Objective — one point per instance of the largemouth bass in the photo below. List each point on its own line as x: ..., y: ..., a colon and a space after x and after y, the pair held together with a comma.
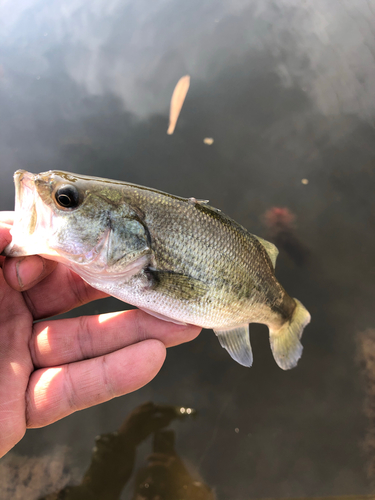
x: 176, y: 258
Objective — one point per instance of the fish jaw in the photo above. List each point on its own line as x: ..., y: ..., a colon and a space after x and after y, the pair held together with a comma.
x: 32, y: 220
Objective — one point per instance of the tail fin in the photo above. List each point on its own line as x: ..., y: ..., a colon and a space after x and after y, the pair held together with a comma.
x: 285, y: 344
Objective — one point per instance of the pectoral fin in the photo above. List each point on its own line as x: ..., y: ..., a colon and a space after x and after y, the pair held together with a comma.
x: 177, y: 285
x: 237, y: 342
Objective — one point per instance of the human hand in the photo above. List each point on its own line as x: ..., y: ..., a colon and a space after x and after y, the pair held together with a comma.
x: 53, y: 368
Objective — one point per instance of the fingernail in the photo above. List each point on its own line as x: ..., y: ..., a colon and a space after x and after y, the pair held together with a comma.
x: 28, y: 270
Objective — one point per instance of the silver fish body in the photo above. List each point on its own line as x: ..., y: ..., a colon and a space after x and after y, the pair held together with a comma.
x: 179, y: 259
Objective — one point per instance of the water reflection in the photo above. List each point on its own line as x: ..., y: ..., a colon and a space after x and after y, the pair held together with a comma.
x: 366, y: 355
x: 280, y: 224
x: 165, y: 477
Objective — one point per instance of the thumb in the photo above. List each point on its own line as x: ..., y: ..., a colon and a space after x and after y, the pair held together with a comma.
x: 22, y: 273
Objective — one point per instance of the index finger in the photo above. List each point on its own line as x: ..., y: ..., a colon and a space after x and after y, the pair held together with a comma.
x: 59, y: 292
x: 20, y: 273
x: 69, y: 340
x: 6, y: 221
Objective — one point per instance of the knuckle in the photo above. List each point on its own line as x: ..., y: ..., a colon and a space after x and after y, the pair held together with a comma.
x: 84, y: 338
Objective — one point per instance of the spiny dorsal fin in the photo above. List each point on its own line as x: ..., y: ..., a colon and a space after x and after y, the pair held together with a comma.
x: 193, y: 201
x: 237, y: 342
x: 270, y: 249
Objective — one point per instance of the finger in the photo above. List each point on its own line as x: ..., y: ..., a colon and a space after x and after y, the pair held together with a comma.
x: 60, y: 291
x: 74, y: 339
x: 22, y: 273
x: 46, y: 297
x: 7, y: 217
x: 6, y: 220
x: 5, y: 237
x: 54, y: 393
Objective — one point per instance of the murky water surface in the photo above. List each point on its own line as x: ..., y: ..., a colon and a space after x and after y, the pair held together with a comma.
x: 277, y: 130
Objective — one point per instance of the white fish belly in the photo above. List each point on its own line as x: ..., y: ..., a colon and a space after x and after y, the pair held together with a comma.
x: 206, y: 312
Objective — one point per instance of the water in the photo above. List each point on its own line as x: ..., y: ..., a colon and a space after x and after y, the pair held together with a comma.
x: 286, y: 91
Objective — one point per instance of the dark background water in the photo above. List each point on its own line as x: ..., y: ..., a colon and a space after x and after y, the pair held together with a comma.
x: 287, y: 91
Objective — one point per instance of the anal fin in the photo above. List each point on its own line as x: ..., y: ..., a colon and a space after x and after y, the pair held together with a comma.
x: 237, y: 342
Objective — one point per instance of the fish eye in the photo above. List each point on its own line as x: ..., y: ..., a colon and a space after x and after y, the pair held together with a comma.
x: 67, y: 197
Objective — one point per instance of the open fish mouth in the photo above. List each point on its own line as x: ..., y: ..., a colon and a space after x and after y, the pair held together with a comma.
x: 30, y: 217
x: 25, y: 213
x: 25, y: 197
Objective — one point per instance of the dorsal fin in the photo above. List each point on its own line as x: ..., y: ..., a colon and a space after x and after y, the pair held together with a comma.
x: 271, y: 249
x: 193, y: 201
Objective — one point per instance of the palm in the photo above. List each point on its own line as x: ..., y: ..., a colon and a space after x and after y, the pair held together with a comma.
x: 15, y: 364
x: 50, y: 369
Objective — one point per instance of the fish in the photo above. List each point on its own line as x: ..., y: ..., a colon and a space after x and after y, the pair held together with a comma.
x: 177, y: 101
x: 179, y: 259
